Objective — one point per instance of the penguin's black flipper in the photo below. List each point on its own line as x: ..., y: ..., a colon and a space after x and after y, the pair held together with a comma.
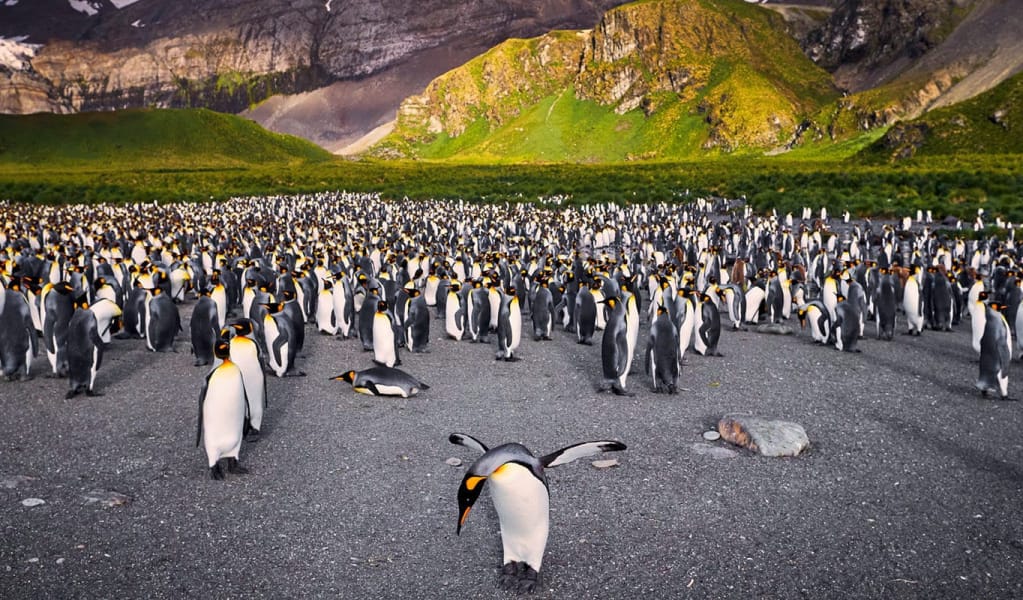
x: 372, y: 387
x: 202, y: 399
x: 576, y: 451
x: 464, y: 439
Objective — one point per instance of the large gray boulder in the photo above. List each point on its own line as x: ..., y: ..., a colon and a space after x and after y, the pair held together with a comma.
x: 763, y: 436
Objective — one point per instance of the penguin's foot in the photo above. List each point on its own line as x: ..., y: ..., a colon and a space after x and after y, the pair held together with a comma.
x: 217, y: 472
x: 519, y: 577
x: 93, y: 393
x: 235, y: 468
x: 200, y: 363
x: 294, y: 373
x: 620, y: 391
x: 71, y: 394
x: 512, y: 358
x: 252, y: 435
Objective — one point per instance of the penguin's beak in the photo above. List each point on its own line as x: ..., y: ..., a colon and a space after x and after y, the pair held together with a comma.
x: 468, y: 492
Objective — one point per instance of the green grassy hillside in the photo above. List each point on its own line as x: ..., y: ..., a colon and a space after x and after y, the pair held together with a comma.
x: 145, y: 139
x: 656, y: 79
x: 991, y: 123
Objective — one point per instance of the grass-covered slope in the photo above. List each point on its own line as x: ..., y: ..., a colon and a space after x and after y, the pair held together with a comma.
x: 656, y: 79
x: 145, y: 139
x: 991, y: 123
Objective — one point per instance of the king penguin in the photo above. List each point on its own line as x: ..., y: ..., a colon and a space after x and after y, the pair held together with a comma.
x: 614, y: 348
x: 454, y: 312
x: 203, y: 327
x: 84, y: 350
x: 383, y: 381
x: 417, y: 323
x: 542, y: 313
x: 913, y: 302
x: 521, y: 498
x: 385, y: 338
x: 162, y: 321
x: 995, y: 353
x: 222, y: 405
x: 509, y: 326
x: 18, y: 344
x: 58, y: 306
x: 708, y: 327
x: 885, y: 304
x: 244, y: 352
x: 662, y: 355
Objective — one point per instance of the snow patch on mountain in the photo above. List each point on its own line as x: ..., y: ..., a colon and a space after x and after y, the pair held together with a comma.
x: 86, y: 7
x: 16, y: 54
x: 122, y: 3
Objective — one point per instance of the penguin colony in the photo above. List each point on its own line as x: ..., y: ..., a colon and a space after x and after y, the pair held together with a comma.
x: 261, y: 273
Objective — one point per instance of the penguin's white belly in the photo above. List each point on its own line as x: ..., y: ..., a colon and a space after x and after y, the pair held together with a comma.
x: 223, y: 414
x: 754, y: 297
x: 451, y: 324
x: 383, y: 341
x: 386, y: 390
x: 325, y: 314
x: 523, y: 506
x: 685, y: 331
x: 515, y: 317
x: 245, y: 356
x: 978, y: 318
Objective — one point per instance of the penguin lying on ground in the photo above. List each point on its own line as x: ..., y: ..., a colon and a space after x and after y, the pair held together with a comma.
x: 521, y: 498
x: 382, y: 381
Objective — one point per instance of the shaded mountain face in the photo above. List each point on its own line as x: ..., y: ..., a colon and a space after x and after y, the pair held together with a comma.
x: 231, y: 54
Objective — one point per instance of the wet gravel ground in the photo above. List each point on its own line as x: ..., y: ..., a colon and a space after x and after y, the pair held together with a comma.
x: 913, y: 486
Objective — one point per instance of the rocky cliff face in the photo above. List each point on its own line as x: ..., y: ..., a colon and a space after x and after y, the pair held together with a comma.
x: 230, y: 54
x: 901, y: 58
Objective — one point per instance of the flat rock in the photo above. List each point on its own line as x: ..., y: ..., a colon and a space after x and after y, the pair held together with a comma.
x: 714, y: 451
x: 454, y: 462
x: 711, y: 436
x: 775, y: 328
x: 30, y: 502
x: 107, y: 498
x: 605, y: 464
x: 765, y: 437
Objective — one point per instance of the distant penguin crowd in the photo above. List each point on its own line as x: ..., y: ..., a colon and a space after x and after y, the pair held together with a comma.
x: 654, y: 283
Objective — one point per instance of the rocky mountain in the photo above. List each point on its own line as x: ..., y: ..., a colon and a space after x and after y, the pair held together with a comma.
x: 900, y: 58
x: 336, y: 71
x: 703, y: 75
x: 231, y: 54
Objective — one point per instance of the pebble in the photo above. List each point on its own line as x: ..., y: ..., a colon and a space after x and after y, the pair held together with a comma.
x: 454, y: 462
x: 605, y: 464
x: 33, y: 560
x: 60, y: 561
x: 30, y: 502
x: 711, y: 436
x: 107, y: 498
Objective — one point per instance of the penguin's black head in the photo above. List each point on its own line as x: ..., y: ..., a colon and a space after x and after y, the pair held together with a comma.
x: 348, y: 376
x: 468, y: 492
x: 242, y: 326
x: 222, y: 350
x: 382, y: 306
